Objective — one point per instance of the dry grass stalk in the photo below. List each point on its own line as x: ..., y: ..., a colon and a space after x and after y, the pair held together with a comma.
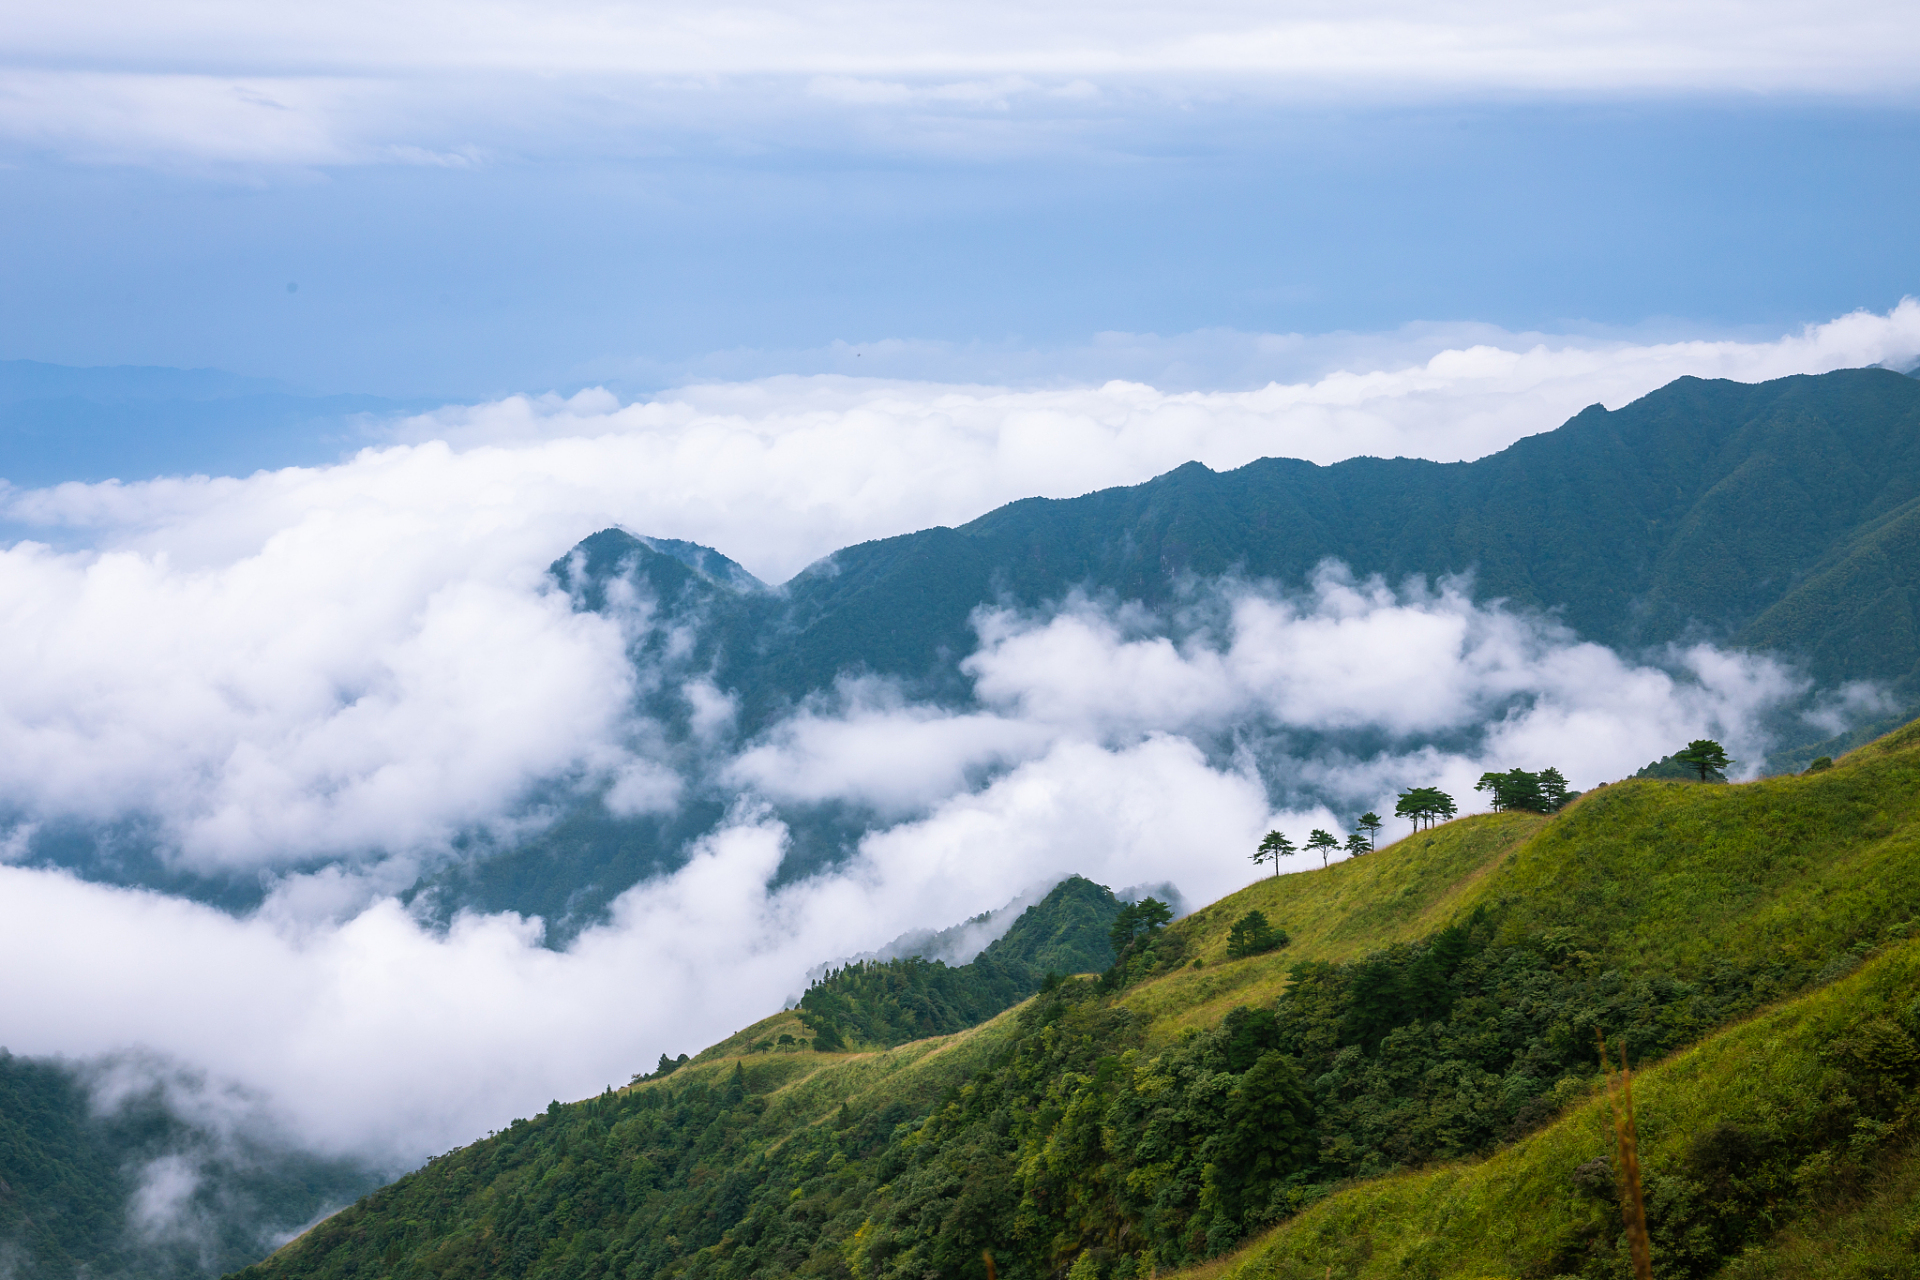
x: 1633, y: 1207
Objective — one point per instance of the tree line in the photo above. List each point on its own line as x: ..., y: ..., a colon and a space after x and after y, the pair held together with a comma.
x: 1513, y: 790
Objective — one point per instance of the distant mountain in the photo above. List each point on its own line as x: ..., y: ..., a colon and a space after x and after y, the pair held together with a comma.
x: 1782, y: 516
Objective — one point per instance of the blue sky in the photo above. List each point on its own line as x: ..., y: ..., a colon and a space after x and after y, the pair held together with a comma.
x: 547, y: 197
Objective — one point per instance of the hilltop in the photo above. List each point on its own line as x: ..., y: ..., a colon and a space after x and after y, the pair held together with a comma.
x: 1405, y: 1088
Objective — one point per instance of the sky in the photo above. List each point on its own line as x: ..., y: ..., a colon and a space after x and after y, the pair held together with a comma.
x: 522, y: 198
x: 778, y: 279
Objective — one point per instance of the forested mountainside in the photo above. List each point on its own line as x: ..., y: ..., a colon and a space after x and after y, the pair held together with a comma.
x: 1407, y: 1087
x: 1782, y: 515
x: 129, y: 1188
x: 1775, y: 513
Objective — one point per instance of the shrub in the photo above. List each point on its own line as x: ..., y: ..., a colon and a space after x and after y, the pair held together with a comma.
x: 1251, y: 935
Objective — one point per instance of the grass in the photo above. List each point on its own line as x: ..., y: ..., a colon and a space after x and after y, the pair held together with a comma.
x: 1512, y: 1213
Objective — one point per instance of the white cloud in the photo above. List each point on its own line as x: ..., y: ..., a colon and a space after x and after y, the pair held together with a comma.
x: 248, y: 83
x: 360, y: 658
x: 355, y: 660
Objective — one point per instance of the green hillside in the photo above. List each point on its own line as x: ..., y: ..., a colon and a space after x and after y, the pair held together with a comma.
x: 1407, y: 1088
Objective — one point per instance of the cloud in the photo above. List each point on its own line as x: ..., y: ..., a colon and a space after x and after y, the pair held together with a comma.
x: 351, y: 684
x: 111, y: 80
x: 377, y: 1035
x: 362, y: 659
x: 326, y: 672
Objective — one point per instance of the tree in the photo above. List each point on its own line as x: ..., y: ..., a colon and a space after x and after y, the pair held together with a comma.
x: 1323, y: 841
x: 1358, y: 844
x: 1425, y: 804
x: 1370, y: 823
x: 1125, y: 924
x: 1411, y: 806
x: 1153, y: 914
x: 1251, y: 935
x: 1515, y: 789
x: 1272, y: 849
x: 1706, y: 756
x: 1553, y: 789
x: 1137, y: 922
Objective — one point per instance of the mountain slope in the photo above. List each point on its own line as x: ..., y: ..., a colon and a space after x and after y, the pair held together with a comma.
x: 1439, y: 999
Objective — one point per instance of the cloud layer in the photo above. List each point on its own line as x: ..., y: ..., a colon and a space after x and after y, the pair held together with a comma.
x: 323, y: 674
x: 365, y: 658
x: 443, y: 84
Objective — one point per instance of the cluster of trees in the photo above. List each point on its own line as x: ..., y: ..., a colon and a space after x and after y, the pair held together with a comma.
x: 1425, y: 806
x: 1136, y: 925
x: 1542, y: 792
x: 1079, y: 927
x: 1251, y: 935
x: 1275, y: 845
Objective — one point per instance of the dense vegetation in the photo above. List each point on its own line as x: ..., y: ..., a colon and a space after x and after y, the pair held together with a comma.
x: 1436, y: 1005
x: 68, y: 1177
x: 888, y: 1002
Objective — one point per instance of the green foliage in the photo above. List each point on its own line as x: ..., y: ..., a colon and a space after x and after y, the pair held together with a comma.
x: 1273, y: 846
x: 1324, y: 841
x: 1425, y: 806
x: 890, y: 1002
x: 1137, y: 924
x: 1251, y: 935
x: 1516, y: 789
x: 1820, y: 764
x: 1706, y: 757
x: 1785, y: 1143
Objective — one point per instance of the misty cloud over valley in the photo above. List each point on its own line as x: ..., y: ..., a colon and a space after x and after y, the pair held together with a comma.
x: 396, y: 798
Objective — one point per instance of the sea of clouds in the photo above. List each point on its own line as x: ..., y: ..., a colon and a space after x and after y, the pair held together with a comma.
x: 322, y: 677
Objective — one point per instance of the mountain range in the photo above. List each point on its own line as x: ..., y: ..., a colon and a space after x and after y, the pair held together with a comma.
x: 1782, y: 516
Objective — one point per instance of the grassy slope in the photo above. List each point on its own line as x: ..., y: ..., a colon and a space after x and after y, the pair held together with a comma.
x: 1503, y: 1215
x: 1820, y: 870
x: 1808, y: 874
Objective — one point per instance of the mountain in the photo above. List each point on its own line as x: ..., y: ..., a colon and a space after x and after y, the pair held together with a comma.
x: 1782, y: 516
x: 1408, y: 1088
